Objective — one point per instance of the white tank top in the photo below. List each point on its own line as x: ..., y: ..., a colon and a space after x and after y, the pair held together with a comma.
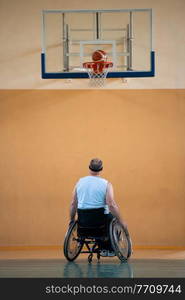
x: 91, y: 193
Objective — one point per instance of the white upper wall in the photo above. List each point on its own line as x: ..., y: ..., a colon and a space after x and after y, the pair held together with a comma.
x: 20, y: 40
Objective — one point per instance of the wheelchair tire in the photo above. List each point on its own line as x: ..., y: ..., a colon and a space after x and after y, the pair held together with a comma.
x: 121, y: 243
x: 72, y: 247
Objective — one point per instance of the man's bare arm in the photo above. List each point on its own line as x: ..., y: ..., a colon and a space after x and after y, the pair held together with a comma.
x: 113, y: 206
x: 73, y: 207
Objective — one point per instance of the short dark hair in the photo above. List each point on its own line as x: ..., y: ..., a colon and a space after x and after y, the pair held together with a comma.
x: 96, y: 165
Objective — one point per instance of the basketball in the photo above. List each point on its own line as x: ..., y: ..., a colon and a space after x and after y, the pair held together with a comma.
x: 98, y: 67
x: 99, y: 55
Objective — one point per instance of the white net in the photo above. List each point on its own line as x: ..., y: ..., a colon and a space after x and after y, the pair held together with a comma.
x: 97, y: 75
x: 97, y: 79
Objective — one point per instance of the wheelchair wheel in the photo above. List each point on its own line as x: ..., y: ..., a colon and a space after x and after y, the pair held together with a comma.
x: 121, y: 243
x: 72, y: 246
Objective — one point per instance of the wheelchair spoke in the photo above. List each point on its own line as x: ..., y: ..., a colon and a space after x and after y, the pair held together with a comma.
x: 119, y: 240
x: 72, y: 244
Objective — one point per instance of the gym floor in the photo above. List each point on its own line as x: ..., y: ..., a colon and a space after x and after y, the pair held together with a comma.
x: 51, y: 263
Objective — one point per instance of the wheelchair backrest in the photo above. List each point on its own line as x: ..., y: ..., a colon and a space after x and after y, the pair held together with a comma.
x: 91, y: 217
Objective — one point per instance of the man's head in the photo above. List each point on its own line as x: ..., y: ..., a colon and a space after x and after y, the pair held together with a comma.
x: 96, y: 165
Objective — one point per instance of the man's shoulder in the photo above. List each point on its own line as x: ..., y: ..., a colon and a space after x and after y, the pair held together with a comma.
x: 91, y: 178
x: 104, y: 179
x: 83, y: 178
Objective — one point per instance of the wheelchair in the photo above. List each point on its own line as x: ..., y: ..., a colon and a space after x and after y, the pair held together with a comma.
x: 91, y: 232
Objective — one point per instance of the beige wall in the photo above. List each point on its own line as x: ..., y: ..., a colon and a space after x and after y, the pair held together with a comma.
x: 47, y: 139
x: 20, y: 40
x: 50, y: 129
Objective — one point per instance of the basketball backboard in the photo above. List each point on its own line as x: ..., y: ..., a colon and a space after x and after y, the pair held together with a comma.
x: 69, y: 37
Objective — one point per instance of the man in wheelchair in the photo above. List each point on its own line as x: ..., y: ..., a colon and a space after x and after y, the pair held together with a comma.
x: 98, y: 218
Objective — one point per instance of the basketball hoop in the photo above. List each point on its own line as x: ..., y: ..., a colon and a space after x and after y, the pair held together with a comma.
x: 97, y: 71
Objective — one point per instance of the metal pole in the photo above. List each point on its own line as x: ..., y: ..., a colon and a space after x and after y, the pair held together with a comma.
x: 43, y: 33
x: 151, y: 30
x: 65, y: 45
x: 97, y: 26
x: 131, y: 41
x: 94, y: 26
x: 128, y: 48
x: 100, y: 26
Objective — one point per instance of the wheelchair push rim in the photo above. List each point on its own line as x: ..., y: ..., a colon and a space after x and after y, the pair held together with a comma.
x: 121, y: 243
x: 72, y: 245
